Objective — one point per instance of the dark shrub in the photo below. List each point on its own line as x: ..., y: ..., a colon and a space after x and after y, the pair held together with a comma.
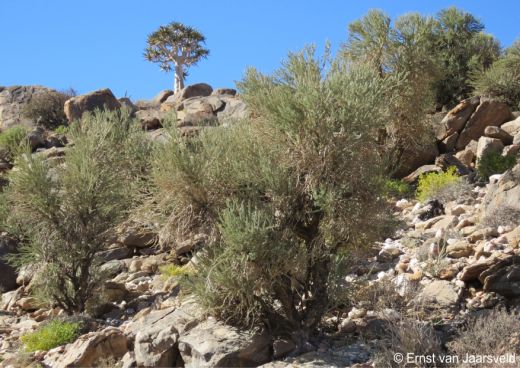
x: 46, y: 108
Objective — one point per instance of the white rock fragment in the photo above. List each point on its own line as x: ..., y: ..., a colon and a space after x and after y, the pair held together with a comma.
x: 493, y: 179
x: 403, y: 203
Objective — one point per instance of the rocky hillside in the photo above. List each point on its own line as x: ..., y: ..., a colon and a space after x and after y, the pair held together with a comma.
x: 12, y: 101
x: 455, y: 257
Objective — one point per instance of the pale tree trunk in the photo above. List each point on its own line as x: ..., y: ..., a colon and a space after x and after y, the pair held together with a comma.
x: 179, y: 78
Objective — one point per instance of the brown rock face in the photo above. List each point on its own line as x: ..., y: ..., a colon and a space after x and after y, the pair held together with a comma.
x: 194, y: 90
x: 511, y: 150
x: 126, y: 102
x: 214, y: 344
x: 89, y: 349
x: 224, y: 91
x: 416, y: 157
x: 503, y: 277
x: 440, y: 293
x: 512, y: 127
x: 468, y: 155
x: 100, y: 99
x: 151, y: 119
x: 448, y: 143
x: 459, y: 249
x: 447, y: 160
x: 474, y: 270
x: 219, y: 109
x: 157, y: 334
x: 137, y: 237
x: 488, y: 113
x: 456, y: 119
x: 498, y: 133
x: 162, y: 96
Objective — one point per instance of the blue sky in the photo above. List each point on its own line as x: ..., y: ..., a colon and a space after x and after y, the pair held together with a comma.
x: 99, y: 43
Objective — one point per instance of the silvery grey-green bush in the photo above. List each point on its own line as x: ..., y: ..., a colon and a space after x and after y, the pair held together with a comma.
x: 281, y: 194
x: 64, y: 212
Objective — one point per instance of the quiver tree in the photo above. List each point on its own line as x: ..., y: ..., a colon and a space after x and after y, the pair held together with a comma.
x: 176, y: 46
x: 281, y: 195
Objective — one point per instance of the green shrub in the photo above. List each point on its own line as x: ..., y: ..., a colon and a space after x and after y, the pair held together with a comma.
x: 171, y: 270
x: 502, y: 79
x: 399, y: 53
x: 397, y: 188
x: 46, y: 109
x: 494, y: 163
x: 280, y: 195
x: 499, y: 82
x: 66, y: 212
x: 461, y: 48
x: 62, y: 129
x: 11, y: 141
x: 437, y: 55
x: 51, y: 335
x: 432, y: 183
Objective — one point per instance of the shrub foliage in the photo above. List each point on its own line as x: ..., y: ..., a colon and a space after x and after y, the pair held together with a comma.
x: 400, y: 54
x: 51, y: 335
x: 406, y: 335
x: 462, y: 48
x: 439, y: 54
x: 432, y: 184
x: 46, y: 108
x: 66, y: 211
x: 494, y: 333
x: 12, y: 142
x: 502, y: 79
x: 299, y: 182
x: 397, y: 188
x: 494, y: 163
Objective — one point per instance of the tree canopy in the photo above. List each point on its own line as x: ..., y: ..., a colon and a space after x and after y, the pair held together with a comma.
x: 176, y: 46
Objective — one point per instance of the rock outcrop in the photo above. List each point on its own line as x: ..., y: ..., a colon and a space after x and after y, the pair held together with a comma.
x: 456, y: 119
x: 12, y: 104
x: 488, y: 145
x: 200, y: 106
x: 413, y: 158
x: 191, y: 109
x: 503, y: 195
x: 194, y: 90
x: 498, y: 133
x: 503, y: 277
x: 512, y: 127
x: 488, y: 113
x: 162, y: 96
x: 478, y: 119
x: 75, y: 107
x: 157, y: 334
x: 92, y: 349
x: 215, y: 344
